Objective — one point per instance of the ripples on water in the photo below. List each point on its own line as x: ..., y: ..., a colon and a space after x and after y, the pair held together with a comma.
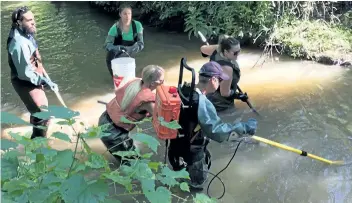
x: 305, y: 105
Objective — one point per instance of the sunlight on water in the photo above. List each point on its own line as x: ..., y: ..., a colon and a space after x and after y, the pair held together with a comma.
x: 304, y: 104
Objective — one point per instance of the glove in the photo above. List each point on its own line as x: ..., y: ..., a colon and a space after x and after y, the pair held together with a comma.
x: 243, y: 128
x: 53, y: 86
x: 242, y: 97
x: 213, y: 39
x: 251, y: 126
x: 123, y: 49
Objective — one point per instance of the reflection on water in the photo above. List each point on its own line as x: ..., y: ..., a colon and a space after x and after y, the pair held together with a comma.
x: 305, y: 105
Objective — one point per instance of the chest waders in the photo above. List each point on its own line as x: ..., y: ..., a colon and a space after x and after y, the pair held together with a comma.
x: 120, y: 41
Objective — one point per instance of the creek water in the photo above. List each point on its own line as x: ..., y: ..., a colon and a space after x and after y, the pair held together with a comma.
x: 304, y: 105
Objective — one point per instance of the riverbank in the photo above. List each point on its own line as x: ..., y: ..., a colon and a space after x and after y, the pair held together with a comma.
x: 306, y: 30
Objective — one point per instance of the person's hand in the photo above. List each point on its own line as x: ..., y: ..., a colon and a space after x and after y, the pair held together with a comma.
x: 251, y: 126
x: 123, y: 49
x: 53, y: 86
x: 243, y: 97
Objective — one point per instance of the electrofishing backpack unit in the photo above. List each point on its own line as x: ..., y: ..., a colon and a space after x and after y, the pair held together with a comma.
x: 168, y: 103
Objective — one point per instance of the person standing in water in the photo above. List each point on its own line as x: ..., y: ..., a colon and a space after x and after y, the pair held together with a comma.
x: 27, y: 71
x: 200, y: 123
x: 225, y: 53
x: 124, y: 38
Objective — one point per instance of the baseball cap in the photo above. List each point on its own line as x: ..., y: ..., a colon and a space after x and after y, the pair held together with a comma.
x: 211, y: 69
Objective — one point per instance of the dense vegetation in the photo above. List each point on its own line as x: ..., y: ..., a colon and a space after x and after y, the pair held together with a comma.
x: 41, y: 174
x: 319, y: 31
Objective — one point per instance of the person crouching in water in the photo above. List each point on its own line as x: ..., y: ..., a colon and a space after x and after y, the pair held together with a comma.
x: 200, y: 123
x: 134, y: 100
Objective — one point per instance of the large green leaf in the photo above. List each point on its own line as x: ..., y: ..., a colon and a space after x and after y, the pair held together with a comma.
x: 51, y: 178
x: 166, y: 171
x: 48, y: 153
x: 202, y: 198
x: 154, y: 165
x: 7, y: 144
x: 126, y: 153
x: 172, y: 125
x: 39, y: 195
x: 96, y: 132
x: 168, y: 177
x: 8, y: 169
x: 77, y: 190
x: 61, y: 136
x: 96, y: 161
x: 16, y: 185
x: 148, y: 140
x: 122, y: 180
x: 148, y: 185
x: 20, y: 139
x: 62, y: 160
x: 161, y: 195
x: 184, y: 186
x: 7, y: 118
x: 5, y: 197
x: 142, y: 171
x: 57, y: 112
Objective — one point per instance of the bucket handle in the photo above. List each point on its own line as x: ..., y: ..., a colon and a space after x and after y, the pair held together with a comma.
x: 183, y: 64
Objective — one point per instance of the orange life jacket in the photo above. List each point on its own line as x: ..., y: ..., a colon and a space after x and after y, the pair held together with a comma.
x: 114, y: 110
x: 36, y: 61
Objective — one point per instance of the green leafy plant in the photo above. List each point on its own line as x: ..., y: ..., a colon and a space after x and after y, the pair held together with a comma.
x: 40, y: 173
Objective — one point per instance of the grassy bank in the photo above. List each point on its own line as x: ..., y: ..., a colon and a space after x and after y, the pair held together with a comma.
x: 317, y: 31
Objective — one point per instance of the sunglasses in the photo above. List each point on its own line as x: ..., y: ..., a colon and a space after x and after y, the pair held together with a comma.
x: 235, y: 53
x: 20, y: 11
x: 205, y: 78
x: 159, y: 82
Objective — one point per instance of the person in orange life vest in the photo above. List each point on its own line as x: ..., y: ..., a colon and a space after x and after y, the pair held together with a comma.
x: 225, y: 53
x: 125, y: 36
x: 134, y: 100
x: 26, y: 67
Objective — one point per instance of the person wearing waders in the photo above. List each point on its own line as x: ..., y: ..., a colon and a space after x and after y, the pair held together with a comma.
x: 134, y: 100
x: 27, y: 71
x: 124, y: 38
x: 225, y: 53
x: 200, y: 124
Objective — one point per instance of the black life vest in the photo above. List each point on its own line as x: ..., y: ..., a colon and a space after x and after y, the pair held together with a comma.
x: 118, y: 39
x: 235, y: 70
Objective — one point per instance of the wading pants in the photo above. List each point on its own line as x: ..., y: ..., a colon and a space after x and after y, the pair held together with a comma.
x: 33, y: 98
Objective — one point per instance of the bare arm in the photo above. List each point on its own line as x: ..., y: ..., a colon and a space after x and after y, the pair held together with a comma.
x: 225, y: 86
x: 208, y: 49
x: 149, y: 107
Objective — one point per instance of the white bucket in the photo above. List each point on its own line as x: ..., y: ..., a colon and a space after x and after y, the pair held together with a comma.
x: 123, y: 68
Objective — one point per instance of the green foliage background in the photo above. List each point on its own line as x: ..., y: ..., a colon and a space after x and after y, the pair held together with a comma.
x: 301, y: 29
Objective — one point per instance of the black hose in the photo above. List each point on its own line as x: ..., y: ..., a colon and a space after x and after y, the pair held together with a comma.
x: 216, y: 176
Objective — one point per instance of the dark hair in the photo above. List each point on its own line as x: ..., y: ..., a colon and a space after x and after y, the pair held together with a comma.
x: 18, y: 15
x: 227, y: 42
x: 123, y: 6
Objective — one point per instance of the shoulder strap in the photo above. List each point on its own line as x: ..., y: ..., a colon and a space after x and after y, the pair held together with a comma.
x: 134, y: 28
x: 212, y: 57
x: 198, y: 91
x: 225, y: 63
x: 119, y: 33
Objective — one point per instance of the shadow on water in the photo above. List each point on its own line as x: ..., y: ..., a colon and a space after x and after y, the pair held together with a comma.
x: 305, y: 105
